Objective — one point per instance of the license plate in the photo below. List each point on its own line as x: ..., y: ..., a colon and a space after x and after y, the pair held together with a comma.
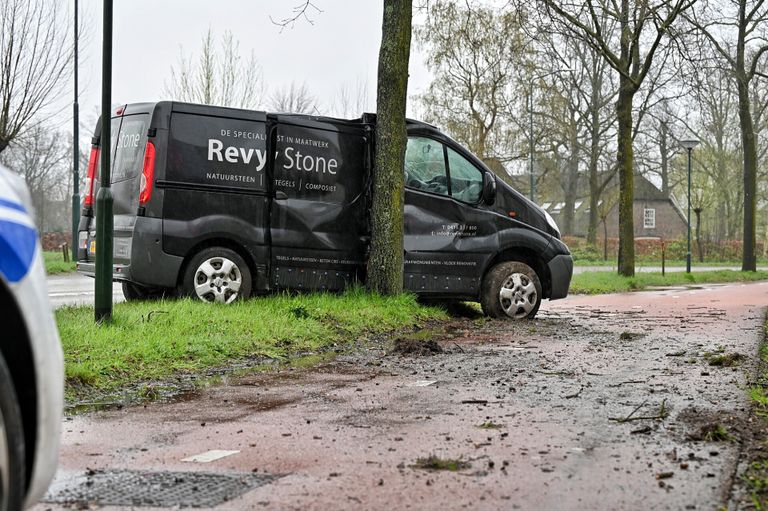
x: 92, y: 248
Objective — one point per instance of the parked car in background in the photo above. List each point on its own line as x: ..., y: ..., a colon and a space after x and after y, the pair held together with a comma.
x: 31, y: 361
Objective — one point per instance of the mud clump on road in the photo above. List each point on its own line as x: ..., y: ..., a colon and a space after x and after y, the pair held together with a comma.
x: 629, y: 336
x: 415, y: 347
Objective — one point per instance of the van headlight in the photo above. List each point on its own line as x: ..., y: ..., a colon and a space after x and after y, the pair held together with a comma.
x: 551, y: 222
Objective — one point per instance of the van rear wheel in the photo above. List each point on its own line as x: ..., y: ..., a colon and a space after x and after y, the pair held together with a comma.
x: 511, y: 290
x: 219, y: 275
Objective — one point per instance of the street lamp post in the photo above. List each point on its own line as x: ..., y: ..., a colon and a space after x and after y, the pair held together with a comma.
x: 104, y: 201
x: 689, y: 144
x: 75, y: 155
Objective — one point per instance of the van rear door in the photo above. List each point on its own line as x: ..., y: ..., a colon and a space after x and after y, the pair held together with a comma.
x: 129, y: 138
x: 319, y: 215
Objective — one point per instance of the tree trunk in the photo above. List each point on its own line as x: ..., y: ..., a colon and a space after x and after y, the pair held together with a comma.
x: 594, y: 155
x: 749, y: 259
x: 572, y: 183
x: 664, y: 153
x: 593, y: 199
x: 699, y: 248
x: 626, y: 263
x: 385, y: 265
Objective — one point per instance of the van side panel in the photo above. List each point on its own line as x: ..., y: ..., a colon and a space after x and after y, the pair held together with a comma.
x: 447, y: 244
x: 319, y: 225
x: 214, y: 187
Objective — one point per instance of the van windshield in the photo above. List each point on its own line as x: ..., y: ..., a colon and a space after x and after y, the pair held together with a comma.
x: 129, y: 151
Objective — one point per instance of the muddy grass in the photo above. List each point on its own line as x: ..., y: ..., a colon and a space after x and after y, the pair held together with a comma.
x: 435, y: 463
x: 727, y: 360
x: 751, y: 485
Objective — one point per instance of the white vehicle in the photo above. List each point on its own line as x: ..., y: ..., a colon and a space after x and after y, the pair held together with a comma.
x: 31, y: 361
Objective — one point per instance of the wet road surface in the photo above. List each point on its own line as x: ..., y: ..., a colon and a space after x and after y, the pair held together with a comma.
x: 76, y: 289
x: 602, y: 403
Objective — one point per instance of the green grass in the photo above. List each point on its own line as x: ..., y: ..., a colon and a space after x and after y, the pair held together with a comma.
x: 54, y: 263
x: 149, y: 341
x: 656, y: 263
x: 598, y: 282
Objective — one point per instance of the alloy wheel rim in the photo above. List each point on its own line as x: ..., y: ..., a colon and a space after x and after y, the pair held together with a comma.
x: 518, y: 295
x: 218, y: 280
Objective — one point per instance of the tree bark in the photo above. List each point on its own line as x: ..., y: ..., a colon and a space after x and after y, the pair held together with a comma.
x: 594, y: 155
x: 385, y: 264
x: 626, y: 263
x: 664, y: 153
x: 571, y: 190
x: 699, y: 247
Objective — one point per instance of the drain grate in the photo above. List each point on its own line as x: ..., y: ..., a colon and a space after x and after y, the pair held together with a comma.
x: 153, y: 489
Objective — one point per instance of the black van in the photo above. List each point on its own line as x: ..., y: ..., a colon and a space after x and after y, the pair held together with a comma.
x: 221, y: 203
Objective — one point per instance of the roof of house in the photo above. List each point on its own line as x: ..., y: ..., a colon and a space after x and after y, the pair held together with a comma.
x: 646, y: 190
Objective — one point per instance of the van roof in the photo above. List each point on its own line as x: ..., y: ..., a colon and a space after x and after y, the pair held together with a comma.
x: 365, y: 118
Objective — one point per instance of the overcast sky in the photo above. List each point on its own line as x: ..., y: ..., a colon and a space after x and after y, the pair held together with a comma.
x: 340, y: 46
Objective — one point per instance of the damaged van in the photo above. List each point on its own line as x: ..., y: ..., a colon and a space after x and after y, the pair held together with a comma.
x: 220, y: 203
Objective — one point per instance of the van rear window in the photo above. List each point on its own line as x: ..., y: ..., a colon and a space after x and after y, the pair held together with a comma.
x: 129, y: 151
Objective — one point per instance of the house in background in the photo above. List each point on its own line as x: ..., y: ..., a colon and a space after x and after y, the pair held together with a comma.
x: 656, y: 214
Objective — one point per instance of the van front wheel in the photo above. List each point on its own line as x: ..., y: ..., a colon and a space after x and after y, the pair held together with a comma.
x: 511, y: 290
x: 217, y: 274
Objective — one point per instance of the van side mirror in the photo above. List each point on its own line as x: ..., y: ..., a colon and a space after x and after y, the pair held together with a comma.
x: 489, y: 188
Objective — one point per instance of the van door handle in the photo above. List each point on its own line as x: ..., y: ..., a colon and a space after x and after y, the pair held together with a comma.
x: 280, y: 195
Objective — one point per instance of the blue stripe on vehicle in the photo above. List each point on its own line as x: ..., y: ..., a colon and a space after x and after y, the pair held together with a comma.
x: 12, y: 205
x: 17, y: 250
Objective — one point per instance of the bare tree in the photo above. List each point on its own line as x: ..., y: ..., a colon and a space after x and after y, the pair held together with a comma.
x: 220, y: 76
x: 295, y: 99
x: 738, y: 32
x: 300, y: 11
x: 35, y: 53
x: 474, y: 55
x: 42, y: 158
x: 352, y: 100
x: 630, y: 51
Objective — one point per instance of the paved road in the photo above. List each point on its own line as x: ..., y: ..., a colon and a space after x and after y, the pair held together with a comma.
x: 604, y: 402
x: 75, y: 289
x: 694, y: 268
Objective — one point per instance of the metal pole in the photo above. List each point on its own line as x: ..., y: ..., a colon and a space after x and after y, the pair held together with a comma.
x: 530, y: 141
x: 688, y: 255
x: 104, y: 219
x: 75, y: 154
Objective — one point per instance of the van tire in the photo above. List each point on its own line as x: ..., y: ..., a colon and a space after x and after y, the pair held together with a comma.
x: 217, y: 274
x: 12, y: 472
x: 511, y: 290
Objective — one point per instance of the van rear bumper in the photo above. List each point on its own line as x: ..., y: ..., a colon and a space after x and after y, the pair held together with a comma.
x: 560, y: 272
x: 149, y: 265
